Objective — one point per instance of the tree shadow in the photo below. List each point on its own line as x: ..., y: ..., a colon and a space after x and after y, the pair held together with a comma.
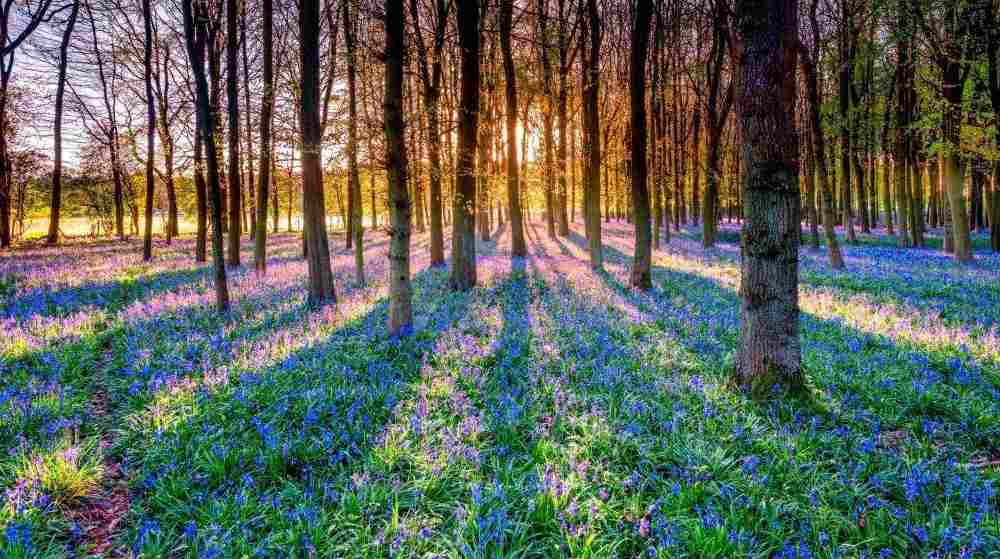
x: 918, y: 383
x: 287, y: 440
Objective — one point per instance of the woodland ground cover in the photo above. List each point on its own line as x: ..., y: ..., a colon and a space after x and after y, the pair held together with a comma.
x: 550, y: 412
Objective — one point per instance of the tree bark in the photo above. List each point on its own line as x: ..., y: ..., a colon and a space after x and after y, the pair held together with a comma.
x: 320, y: 284
x: 431, y: 80
x: 233, y: 113
x: 195, y: 39
x: 56, y: 201
x: 400, y: 291
x: 819, y: 146
x: 641, y: 276
x: 353, y: 180
x: 266, y: 108
x: 147, y: 244
x: 768, y: 358
x: 201, y: 198
x: 463, y: 240
x: 517, y: 244
x: 592, y: 133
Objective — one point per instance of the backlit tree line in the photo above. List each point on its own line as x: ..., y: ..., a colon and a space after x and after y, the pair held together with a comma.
x: 244, y: 119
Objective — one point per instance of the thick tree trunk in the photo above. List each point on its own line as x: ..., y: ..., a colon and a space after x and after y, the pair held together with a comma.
x: 266, y: 108
x: 592, y: 133
x: 400, y: 292
x: 769, y: 355
x: 641, y: 276
x: 321, y: 289
x: 463, y: 239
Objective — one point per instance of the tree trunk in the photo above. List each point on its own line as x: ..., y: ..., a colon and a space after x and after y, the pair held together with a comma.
x: 266, y: 108
x: 592, y: 143
x: 147, y: 245
x: 5, y: 174
x: 819, y: 147
x: 810, y: 177
x: 195, y: 40
x: 768, y: 358
x: 56, y: 202
x: 886, y: 190
x: 563, y: 203
x: 517, y: 245
x: 201, y: 198
x: 353, y: 181
x: 484, y: 208
x: 716, y: 124
x: 321, y: 289
x: 845, y: 75
x: 547, y: 132
x: 233, y: 113
x: 641, y: 276
x: 400, y: 292
x: 995, y: 213
x: 463, y: 239
x: 431, y: 78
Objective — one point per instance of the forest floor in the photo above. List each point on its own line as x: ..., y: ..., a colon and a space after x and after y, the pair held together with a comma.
x: 551, y: 412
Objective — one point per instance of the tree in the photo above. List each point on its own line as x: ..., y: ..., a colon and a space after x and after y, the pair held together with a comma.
x: 715, y: 120
x: 848, y: 48
x: 431, y: 80
x: 266, y: 110
x: 549, y: 103
x: 463, y: 238
x: 815, y: 101
x: 321, y: 289
x: 565, y: 39
x: 53, y: 236
x: 769, y: 354
x: 111, y: 129
x: 945, y: 33
x: 590, y: 77
x: 9, y: 43
x: 147, y: 18
x: 353, y: 181
x: 517, y: 245
x: 195, y: 39
x: 233, y: 129
x: 992, y: 29
x: 168, y: 110
x: 640, y: 277
x: 400, y: 292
